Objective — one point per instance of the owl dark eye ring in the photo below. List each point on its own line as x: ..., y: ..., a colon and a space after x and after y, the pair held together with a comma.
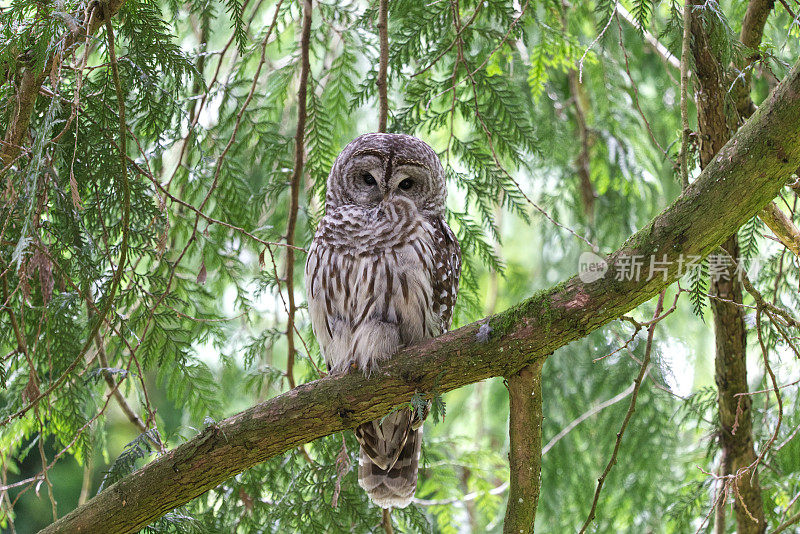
x: 368, y: 179
x: 406, y: 184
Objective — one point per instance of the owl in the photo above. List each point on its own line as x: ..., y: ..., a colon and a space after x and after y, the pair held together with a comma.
x: 382, y: 273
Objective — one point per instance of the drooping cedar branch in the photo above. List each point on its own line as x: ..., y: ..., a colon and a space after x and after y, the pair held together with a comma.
x: 31, y: 79
x: 745, y: 175
x: 123, y: 183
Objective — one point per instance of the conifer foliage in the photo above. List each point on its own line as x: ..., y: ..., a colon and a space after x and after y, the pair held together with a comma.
x: 147, y: 214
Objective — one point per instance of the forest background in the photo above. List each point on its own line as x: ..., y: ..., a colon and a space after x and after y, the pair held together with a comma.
x: 163, y: 170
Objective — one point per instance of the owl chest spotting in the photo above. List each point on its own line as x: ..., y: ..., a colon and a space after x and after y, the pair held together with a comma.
x: 370, y: 283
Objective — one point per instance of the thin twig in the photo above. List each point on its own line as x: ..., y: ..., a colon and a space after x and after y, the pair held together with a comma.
x: 297, y: 174
x: 586, y: 415
x: 386, y: 521
x: 788, y: 523
x: 484, y: 62
x: 794, y: 21
x: 505, y: 37
x: 382, y: 82
x: 775, y: 388
x: 594, y: 42
x: 636, y: 97
x: 687, y: 34
x: 45, y: 470
x: 637, y: 385
x: 441, y: 54
x: 468, y: 497
x: 114, y: 391
x: 199, y: 108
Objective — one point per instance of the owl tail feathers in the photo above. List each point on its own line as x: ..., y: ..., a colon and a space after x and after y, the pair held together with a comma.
x: 393, y: 487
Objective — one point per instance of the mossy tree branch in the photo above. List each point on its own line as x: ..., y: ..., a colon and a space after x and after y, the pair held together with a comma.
x: 525, y: 454
x: 782, y: 226
x: 746, y: 174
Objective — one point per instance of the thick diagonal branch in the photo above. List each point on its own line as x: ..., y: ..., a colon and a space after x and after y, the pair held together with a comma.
x: 751, y: 169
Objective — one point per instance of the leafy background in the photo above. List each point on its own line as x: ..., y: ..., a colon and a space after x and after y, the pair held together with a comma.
x: 517, y: 102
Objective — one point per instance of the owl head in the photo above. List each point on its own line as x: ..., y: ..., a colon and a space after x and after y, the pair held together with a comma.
x: 380, y: 167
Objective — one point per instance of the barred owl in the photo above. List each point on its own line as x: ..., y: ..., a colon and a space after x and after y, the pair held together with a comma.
x: 382, y: 273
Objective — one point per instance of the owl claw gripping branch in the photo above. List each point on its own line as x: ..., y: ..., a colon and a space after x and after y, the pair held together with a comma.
x: 382, y: 273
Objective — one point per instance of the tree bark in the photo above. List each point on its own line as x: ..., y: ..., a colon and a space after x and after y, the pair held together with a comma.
x: 583, y: 160
x: 735, y: 415
x: 755, y: 18
x: 782, y: 226
x: 751, y: 169
x: 730, y: 332
x: 525, y: 451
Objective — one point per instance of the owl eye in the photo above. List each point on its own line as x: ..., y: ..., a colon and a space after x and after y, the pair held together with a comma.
x: 368, y: 179
x: 406, y: 184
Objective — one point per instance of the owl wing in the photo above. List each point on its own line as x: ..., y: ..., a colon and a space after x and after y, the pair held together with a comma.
x: 446, y: 272
x: 317, y: 289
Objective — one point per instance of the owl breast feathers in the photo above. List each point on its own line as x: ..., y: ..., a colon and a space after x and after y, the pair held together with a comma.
x: 382, y: 273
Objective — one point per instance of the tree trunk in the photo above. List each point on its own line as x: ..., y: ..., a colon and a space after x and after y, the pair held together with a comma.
x: 525, y: 450
x: 730, y: 333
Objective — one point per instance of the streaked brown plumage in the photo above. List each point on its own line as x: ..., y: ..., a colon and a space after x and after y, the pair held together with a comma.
x: 382, y: 273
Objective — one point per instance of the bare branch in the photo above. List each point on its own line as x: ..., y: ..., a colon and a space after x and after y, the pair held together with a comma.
x: 782, y: 226
x: 525, y: 449
x: 297, y: 174
x: 788, y: 523
x: 382, y: 83
x: 637, y: 384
